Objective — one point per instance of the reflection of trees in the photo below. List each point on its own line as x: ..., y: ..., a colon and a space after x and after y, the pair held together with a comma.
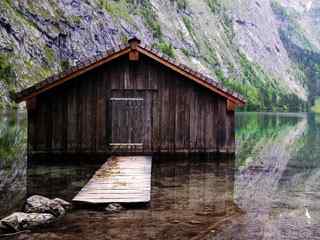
x: 254, y: 131
x: 13, y: 137
x: 12, y: 161
x: 306, y: 160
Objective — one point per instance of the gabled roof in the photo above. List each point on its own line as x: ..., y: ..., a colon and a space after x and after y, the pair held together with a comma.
x: 134, y: 44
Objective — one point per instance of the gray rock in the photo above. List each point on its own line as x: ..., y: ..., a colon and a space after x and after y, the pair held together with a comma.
x: 21, y: 221
x: 66, y: 205
x: 113, y: 208
x: 2, y: 227
x: 40, y: 204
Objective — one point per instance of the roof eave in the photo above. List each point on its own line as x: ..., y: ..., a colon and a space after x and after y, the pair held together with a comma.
x: 239, y: 101
x: 50, y: 82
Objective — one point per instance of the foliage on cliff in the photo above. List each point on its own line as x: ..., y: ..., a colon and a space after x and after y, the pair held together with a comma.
x: 220, y: 38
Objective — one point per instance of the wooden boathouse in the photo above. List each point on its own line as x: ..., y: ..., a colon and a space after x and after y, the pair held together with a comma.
x: 131, y: 100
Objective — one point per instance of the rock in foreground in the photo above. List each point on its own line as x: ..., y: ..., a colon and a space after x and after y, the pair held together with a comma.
x: 113, y: 208
x: 40, y: 204
x: 20, y: 221
x: 66, y: 205
x: 40, y: 211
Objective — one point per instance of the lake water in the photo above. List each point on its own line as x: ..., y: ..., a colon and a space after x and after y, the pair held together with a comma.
x: 269, y: 190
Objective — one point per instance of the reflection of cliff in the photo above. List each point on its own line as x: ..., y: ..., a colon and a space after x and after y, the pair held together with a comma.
x: 298, y: 194
x: 257, y: 182
x: 12, y: 186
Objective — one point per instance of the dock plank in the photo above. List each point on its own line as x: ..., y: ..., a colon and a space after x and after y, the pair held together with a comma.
x: 121, y: 179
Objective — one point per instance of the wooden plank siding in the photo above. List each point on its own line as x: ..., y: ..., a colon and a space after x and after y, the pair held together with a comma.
x: 179, y: 114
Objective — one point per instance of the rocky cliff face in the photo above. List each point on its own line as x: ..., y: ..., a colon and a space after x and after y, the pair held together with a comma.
x: 238, y: 42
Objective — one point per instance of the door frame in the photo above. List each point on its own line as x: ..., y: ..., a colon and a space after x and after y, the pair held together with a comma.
x: 130, y: 94
x: 127, y: 100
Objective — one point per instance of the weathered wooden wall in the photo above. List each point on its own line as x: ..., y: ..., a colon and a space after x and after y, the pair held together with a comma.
x: 178, y: 115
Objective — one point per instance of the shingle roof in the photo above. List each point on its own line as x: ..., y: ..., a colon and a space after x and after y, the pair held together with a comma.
x: 120, y: 50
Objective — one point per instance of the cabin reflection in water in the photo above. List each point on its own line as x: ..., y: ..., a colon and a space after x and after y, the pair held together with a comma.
x: 189, y: 197
x: 194, y: 182
x: 61, y: 180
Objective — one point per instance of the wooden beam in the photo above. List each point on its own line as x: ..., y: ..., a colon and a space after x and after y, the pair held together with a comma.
x: 192, y: 77
x: 126, y: 99
x: 32, y: 104
x: 231, y: 106
x: 75, y: 74
x: 126, y: 144
x: 134, y: 55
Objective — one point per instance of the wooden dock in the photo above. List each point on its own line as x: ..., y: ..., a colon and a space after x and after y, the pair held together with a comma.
x: 124, y: 179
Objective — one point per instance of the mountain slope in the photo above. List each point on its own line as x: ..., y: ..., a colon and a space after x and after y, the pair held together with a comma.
x: 237, y: 42
x: 300, y: 33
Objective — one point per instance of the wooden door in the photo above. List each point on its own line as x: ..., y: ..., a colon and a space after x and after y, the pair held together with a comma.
x: 127, y: 122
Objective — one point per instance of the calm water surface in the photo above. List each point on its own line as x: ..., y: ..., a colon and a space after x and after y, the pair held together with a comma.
x: 270, y: 190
